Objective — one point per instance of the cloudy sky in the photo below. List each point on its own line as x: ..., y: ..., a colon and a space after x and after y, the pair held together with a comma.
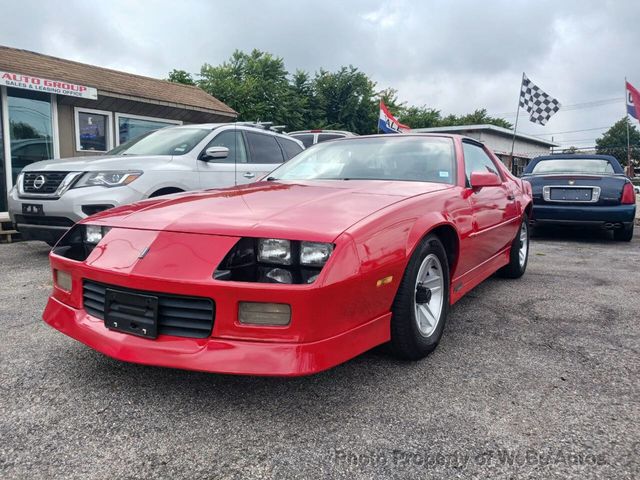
x: 455, y: 56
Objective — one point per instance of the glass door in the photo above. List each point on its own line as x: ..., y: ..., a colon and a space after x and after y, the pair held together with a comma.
x: 30, y: 128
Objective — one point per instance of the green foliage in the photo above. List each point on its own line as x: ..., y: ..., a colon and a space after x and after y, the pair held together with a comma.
x: 181, y: 76
x: 614, y: 141
x: 258, y: 87
x: 255, y: 85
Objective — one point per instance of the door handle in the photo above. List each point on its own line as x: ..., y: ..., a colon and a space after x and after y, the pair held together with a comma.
x: 249, y: 175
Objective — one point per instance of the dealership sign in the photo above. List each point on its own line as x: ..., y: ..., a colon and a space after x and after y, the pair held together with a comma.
x: 28, y: 82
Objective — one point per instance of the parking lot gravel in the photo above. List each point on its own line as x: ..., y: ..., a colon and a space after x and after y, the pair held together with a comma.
x: 534, y: 378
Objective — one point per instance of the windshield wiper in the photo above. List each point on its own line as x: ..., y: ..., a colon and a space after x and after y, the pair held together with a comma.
x: 270, y: 179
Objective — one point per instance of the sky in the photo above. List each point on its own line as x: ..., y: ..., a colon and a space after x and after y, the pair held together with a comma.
x: 455, y: 56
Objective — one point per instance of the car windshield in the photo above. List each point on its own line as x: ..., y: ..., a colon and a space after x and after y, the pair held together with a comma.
x: 573, y: 165
x: 393, y: 157
x: 167, y: 141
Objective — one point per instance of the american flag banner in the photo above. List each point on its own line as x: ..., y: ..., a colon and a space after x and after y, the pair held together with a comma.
x: 540, y: 105
x: 633, y: 101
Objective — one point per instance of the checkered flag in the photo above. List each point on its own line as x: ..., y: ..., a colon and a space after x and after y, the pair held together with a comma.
x: 539, y: 104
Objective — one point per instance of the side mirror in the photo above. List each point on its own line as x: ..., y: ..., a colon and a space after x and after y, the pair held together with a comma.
x: 479, y: 180
x: 215, y: 152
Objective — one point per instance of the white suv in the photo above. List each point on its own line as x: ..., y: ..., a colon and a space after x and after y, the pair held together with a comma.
x: 50, y: 196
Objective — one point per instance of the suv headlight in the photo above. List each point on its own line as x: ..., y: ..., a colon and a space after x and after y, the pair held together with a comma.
x: 107, y: 178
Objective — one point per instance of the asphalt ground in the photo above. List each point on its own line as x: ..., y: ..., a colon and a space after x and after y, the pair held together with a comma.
x: 534, y: 378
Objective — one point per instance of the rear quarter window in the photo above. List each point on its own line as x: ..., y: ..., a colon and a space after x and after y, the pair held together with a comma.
x: 289, y: 147
x: 264, y: 148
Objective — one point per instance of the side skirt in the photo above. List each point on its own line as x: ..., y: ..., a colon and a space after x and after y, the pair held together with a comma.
x: 463, y: 284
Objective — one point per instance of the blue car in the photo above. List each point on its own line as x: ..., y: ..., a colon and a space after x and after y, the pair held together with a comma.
x: 582, y: 190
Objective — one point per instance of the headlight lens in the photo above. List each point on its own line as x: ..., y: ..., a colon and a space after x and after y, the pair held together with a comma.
x: 274, y: 250
x: 315, y: 254
x: 94, y: 233
x: 274, y: 260
x: 107, y: 178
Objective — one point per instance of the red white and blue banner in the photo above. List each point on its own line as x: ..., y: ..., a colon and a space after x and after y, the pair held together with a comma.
x: 633, y: 101
x: 387, y: 123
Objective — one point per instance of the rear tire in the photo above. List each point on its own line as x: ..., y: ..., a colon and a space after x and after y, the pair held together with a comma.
x: 625, y: 234
x: 421, y: 306
x: 519, y: 254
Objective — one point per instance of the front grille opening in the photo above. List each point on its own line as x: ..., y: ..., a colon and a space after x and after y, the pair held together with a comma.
x: 180, y: 316
x: 48, y: 184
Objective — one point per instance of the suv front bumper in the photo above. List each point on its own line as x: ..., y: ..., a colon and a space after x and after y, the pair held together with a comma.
x: 59, y: 214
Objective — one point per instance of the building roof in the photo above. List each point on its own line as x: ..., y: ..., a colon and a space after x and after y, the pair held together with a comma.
x: 492, y: 128
x: 108, y: 81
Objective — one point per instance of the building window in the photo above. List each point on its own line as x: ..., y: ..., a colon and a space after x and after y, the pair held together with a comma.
x: 93, y: 130
x: 129, y: 127
x: 30, y: 128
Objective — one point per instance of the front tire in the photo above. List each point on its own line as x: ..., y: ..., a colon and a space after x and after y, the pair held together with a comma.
x: 421, y: 306
x: 519, y: 254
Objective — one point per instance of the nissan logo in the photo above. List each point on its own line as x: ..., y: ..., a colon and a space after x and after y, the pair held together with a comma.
x: 39, y: 181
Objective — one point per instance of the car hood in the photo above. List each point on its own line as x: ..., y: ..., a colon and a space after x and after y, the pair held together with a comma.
x: 319, y: 210
x: 97, y: 163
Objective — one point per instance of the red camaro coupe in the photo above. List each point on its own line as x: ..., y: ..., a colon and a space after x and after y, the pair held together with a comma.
x: 351, y: 244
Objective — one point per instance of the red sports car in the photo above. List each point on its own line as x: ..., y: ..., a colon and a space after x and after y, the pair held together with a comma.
x: 351, y: 244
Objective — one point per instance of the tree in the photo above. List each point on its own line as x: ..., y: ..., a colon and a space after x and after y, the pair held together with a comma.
x: 255, y: 85
x: 258, y: 87
x: 181, y: 76
x: 421, y: 117
x: 346, y: 100
x: 614, y: 141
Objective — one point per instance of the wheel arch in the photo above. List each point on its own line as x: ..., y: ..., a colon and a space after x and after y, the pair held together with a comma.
x: 446, y: 233
x: 165, y: 191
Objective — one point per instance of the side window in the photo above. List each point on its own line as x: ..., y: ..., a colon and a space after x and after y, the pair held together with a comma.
x: 306, y: 139
x: 476, y: 160
x: 264, y: 148
x: 291, y: 149
x: 323, y: 137
x: 234, y: 142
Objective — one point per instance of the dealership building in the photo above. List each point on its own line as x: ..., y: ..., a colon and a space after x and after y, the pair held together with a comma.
x: 56, y: 108
x: 500, y: 140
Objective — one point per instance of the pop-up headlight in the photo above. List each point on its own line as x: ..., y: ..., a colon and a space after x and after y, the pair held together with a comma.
x: 274, y: 260
x: 274, y: 250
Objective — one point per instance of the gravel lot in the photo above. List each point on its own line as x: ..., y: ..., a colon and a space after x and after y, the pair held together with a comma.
x: 534, y: 378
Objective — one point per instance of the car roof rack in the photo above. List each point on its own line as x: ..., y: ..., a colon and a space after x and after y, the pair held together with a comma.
x: 263, y: 125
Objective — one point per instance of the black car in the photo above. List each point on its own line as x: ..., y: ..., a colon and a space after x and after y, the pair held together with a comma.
x: 582, y: 190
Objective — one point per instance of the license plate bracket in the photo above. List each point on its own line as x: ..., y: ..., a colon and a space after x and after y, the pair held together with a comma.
x: 132, y: 313
x: 571, y: 194
x: 32, y: 209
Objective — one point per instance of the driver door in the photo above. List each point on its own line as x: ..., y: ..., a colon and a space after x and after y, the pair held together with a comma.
x: 493, y: 208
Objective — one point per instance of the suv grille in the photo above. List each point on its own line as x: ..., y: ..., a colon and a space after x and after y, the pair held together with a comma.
x: 178, y: 315
x: 52, y: 181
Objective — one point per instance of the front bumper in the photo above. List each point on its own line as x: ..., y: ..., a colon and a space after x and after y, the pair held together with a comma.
x: 218, y: 355
x: 615, y: 216
x: 341, y: 315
